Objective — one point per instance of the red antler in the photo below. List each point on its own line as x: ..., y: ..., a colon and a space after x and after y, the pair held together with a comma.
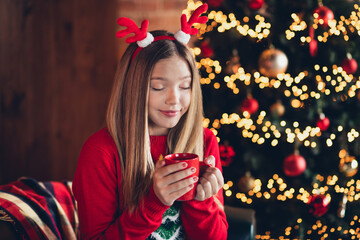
x: 186, y: 26
x: 140, y: 33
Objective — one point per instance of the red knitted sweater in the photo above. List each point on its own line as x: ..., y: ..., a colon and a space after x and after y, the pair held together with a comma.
x: 97, y: 183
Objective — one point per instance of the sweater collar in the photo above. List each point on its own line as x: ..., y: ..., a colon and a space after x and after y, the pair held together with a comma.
x: 158, y: 146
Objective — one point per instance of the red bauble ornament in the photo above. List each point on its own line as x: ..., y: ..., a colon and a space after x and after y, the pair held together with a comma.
x: 313, y: 44
x: 256, y: 4
x: 206, y: 50
x: 325, y: 14
x: 294, y: 165
x: 349, y: 65
x: 313, y: 47
x: 214, y: 3
x: 250, y: 105
x: 226, y: 154
x: 323, y: 123
x: 318, y: 204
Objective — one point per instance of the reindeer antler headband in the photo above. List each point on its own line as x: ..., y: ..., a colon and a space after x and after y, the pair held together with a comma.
x: 143, y: 38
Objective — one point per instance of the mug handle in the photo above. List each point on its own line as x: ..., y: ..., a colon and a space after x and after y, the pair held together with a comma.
x: 201, y: 166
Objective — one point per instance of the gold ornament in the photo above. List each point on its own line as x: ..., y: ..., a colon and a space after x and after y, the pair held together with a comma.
x: 246, y: 183
x: 272, y: 62
x: 348, y: 165
x: 277, y: 109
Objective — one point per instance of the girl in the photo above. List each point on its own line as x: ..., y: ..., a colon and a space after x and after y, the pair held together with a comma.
x: 122, y: 188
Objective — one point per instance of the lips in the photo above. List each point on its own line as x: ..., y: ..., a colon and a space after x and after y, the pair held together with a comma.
x: 170, y: 113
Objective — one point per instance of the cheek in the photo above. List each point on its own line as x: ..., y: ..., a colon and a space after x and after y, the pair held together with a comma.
x: 186, y: 99
x: 153, y: 100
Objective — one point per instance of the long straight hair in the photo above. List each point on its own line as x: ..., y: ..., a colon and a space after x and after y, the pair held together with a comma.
x: 127, y: 116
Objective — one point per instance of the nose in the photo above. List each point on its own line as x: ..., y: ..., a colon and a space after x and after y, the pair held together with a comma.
x: 172, y: 96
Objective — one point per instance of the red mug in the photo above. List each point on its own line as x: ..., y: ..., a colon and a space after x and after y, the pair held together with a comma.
x: 192, y: 160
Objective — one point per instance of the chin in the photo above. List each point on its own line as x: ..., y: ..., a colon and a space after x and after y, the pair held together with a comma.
x: 171, y: 125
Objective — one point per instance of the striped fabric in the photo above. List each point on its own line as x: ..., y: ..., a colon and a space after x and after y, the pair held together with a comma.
x: 40, y: 210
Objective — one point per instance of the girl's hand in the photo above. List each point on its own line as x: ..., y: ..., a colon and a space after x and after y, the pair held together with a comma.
x: 211, y: 180
x: 169, y: 183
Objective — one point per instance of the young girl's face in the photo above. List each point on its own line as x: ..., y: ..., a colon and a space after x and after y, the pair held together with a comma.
x: 169, y: 94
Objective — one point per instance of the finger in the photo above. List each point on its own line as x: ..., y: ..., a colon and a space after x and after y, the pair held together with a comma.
x: 180, y: 192
x: 158, y: 176
x: 159, y: 164
x: 207, y: 187
x: 177, y: 176
x: 210, y: 161
x: 213, y: 181
x: 217, y: 173
x: 172, y: 168
x: 169, y: 193
x: 177, y: 186
x: 200, y: 193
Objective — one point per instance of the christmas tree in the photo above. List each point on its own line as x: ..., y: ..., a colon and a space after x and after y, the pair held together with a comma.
x: 281, y: 93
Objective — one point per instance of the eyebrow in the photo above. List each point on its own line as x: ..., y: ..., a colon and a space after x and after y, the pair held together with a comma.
x: 164, y: 79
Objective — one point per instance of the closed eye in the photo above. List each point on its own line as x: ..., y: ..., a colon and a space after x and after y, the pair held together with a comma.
x: 157, y: 89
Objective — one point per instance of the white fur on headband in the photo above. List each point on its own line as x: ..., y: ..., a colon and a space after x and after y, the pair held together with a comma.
x: 182, y: 37
x: 146, y: 41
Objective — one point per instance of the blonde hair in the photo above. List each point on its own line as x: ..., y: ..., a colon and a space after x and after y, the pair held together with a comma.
x: 127, y: 116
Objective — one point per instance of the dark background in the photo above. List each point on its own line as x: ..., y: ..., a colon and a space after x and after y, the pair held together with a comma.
x: 57, y: 62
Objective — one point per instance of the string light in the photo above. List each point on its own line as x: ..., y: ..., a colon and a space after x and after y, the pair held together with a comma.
x: 210, y: 66
x: 297, y: 25
x: 344, y: 26
x: 344, y: 84
x: 262, y: 130
x: 213, y: 67
x: 221, y: 22
x: 340, y: 85
x: 276, y: 188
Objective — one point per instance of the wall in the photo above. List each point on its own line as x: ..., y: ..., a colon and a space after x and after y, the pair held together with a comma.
x: 57, y: 62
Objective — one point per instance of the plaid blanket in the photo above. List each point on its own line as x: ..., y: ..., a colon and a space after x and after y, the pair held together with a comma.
x: 40, y: 210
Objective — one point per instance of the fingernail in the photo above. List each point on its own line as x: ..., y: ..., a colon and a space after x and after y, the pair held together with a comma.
x: 193, y: 169
x: 195, y: 179
x: 184, y: 165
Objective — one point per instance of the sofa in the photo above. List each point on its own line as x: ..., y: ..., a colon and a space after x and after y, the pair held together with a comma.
x: 30, y: 209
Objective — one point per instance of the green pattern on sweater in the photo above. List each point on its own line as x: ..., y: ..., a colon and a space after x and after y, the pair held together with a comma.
x: 171, y: 226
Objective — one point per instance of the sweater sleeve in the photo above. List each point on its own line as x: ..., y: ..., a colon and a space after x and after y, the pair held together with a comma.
x: 96, y: 189
x: 205, y: 219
